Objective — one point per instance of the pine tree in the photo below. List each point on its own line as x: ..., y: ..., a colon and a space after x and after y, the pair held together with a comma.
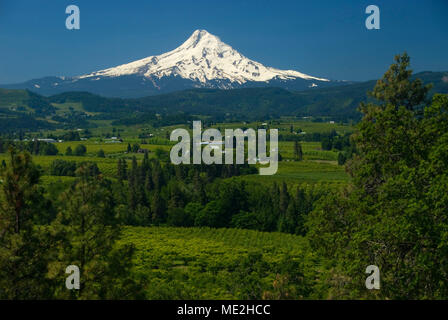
x: 157, y: 175
x: 148, y: 181
x: 145, y: 163
x: 393, y: 215
x: 302, y: 209
x: 200, y: 195
x: 24, y: 248
x: 397, y: 89
x: 298, y: 154
x: 120, y: 170
x: 101, y: 154
x: 133, y: 185
x: 124, y: 169
x: 157, y: 208
x: 284, y: 198
x: 134, y: 174
x: 341, y: 158
x: 145, y: 168
x: 88, y: 220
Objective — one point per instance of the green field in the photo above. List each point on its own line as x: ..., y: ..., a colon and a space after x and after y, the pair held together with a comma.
x: 296, y: 172
x: 93, y: 146
x: 204, y: 263
x: 106, y: 165
x: 285, y: 124
x: 318, y: 165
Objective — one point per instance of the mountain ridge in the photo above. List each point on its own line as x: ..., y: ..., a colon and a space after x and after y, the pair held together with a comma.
x: 21, y: 109
x: 202, y: 61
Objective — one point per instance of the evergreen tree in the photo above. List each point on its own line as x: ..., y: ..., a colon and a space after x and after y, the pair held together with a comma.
x: 120, y: 170
x: 395, y: 87
x: 298, y: 154
x: 80, y: 150
x: 101, y: 154
x: 157, y: 208
x: 200, y: 195
x: 24, y: 248
x: 88, y: 220
x: 302, y: 209
x: 341, y: 158
x: 284, y: 198
x: 133, y: 185
x: 157, y: 175
x: 394, y: 213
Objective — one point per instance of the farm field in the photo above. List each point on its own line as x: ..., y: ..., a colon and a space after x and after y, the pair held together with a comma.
x: 311, y: 151
x: 318, y: 165
x: 106, y: 165
x: 290, y: 172
x: 296, y: 172
x: 204, y: 263
x: 285, y: 124
x: 109, y: 148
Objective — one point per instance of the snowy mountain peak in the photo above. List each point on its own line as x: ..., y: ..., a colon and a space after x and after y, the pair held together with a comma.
x: 201, y: 35
x: 203, y: 57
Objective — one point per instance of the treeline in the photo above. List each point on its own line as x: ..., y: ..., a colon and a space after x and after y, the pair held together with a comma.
x: 24, y: 122
x: 195, y: 195
x: 70, y: 168
x: 91, y: 102
x: 312, y: 137
x: 343, y: 144
x: 155, y: 192
x: 42, y: 107
x: 156, y: 120
x: 34, y: 147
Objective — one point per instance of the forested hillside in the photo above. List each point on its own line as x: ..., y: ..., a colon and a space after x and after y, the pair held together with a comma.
x: 25, y: 109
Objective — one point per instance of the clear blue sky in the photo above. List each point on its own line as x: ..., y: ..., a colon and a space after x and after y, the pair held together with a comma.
x: 321, y: 38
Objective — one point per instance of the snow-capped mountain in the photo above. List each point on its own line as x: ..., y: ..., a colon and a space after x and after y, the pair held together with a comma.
x: 203, y: 58
x: 202, y: 61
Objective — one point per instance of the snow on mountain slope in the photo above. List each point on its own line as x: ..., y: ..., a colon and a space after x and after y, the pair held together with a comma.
x: 203, y: 61
x: 202, y: 58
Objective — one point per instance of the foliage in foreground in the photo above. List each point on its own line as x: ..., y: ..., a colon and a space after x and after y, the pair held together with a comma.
x: 36, y: 248
x: 395, y: 214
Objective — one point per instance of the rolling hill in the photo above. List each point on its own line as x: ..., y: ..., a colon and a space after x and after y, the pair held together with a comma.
x: 18, y: 108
